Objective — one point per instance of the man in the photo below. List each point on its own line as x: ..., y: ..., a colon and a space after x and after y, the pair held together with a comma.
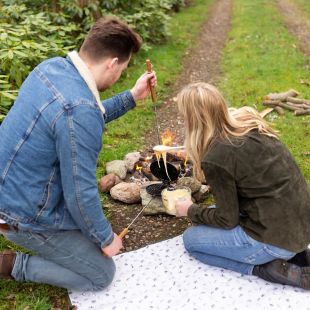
x: 50, y: 142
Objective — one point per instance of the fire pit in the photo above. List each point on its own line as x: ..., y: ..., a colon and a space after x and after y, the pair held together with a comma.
x: 143, y: 177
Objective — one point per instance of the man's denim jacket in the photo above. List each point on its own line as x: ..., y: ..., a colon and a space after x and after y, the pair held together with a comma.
x: 49, y: 147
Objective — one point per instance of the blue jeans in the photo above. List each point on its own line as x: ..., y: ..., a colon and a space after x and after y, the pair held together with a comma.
x: 231, y: 249
x: 65, y: 259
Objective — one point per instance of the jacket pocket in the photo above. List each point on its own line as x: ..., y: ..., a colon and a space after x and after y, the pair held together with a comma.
x: 43, y: 205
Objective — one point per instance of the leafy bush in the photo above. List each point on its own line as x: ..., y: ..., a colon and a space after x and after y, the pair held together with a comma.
x: 27, y: 38
x: 34, y: 30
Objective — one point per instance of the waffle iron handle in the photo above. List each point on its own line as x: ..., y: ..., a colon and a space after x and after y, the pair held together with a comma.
x: 149, y: 67
x: 123, y: 233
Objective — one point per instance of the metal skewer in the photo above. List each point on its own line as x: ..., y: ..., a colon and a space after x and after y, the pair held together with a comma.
x: 149, y: 68
x: 154, y: 98
x: 157, y: 125
x: 126, y: 230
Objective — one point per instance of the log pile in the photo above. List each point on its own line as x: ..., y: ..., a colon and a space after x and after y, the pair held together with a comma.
x: 287, y: 100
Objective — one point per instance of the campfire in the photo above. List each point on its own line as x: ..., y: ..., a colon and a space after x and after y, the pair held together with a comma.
x: 148, y: 177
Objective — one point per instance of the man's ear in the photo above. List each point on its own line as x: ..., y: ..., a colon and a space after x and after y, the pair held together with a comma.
x: 113, y: 62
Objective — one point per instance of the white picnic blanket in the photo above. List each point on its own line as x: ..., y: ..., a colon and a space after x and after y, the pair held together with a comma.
x: 164, y: 276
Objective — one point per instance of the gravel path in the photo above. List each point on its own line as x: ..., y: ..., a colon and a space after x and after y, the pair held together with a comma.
x: 297, y: 23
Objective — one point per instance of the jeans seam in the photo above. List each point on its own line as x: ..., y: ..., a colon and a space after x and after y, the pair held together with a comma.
x: 237, y: 237
x: 250, y: 259
x: 276, y: 255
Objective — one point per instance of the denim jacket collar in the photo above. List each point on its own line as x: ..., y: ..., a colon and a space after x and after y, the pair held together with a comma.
x: 87, y: 76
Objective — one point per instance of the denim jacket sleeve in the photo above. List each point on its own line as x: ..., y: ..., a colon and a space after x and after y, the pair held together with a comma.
x: 118, y: 105
x: 78, y: 134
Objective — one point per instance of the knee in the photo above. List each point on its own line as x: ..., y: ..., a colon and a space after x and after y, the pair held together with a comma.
x: 189, y: 238
x: 104, y: 276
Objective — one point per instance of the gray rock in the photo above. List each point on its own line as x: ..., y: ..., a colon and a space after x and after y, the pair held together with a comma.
x: 117, y: 167
x: 126, y: 192
x: 190, y: 182
x: 155, y: 202
x: 202, y: 194
x: 130, y: 160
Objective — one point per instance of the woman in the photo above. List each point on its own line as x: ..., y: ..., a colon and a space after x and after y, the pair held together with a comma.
x: 262, y: 212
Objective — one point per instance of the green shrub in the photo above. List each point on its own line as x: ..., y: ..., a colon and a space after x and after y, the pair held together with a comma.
x: 34, y: 30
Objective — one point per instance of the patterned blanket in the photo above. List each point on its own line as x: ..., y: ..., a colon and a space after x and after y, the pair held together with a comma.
x: 163, y: 276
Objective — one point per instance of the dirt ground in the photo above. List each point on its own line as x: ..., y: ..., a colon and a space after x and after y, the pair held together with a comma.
x: 297, y: 24
x: 200, y: 64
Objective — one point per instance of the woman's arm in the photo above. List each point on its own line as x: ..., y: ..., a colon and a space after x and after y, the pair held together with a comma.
x: 226, y: 213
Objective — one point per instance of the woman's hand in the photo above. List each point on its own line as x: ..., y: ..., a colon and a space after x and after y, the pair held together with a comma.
x: 182, y: 206
x: 113, y: 248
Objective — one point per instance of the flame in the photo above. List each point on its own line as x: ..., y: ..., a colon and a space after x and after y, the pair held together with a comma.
x: 185, y: 161
x: 182, y: 155
x: 138, y: 168
x: 148, y: 158
x: 168, y: 137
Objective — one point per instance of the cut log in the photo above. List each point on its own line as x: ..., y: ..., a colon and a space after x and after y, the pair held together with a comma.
x: 271, y: 103
x: 265, y: 112
x: 285, y: 105
x: 299, y: 106
x: 282, y: 96
x: 298, y: 100
x: 291, y: 107
x: 279, y: 110
x: 302, y: 112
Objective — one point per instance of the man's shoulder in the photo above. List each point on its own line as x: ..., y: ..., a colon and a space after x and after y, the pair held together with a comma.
x: 53, y: 61
x: 61, y: 77
x: 54, y: 65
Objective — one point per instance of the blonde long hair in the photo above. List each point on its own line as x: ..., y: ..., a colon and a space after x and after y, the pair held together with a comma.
x: 208, y: 118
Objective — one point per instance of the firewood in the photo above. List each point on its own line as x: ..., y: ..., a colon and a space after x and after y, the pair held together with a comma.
x: 298, y: 100
x: 279, y: 110
x: 265, y: 112
x: 287, y: 106
x: 274, y: 103
x: 281, y: 96
x: 302, y: 112
x: 299, y: 105
x: 271, y: 103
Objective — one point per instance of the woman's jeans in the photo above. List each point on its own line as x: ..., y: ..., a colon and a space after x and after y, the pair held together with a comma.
x: 231, y: 249
x: 66, y: 259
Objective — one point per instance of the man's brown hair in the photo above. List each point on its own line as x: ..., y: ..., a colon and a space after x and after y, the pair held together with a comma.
x: 111, y: 37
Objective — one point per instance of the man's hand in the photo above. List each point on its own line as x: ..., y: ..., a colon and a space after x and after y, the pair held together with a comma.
x: 141, y: 88
x: 182, y: 206
x: 113, y: 248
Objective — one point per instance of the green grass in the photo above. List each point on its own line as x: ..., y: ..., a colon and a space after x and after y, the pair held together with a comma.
x: 36, y: 297
x: 262, y: 57
x: 122, y: 136
x: 304, y: 6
